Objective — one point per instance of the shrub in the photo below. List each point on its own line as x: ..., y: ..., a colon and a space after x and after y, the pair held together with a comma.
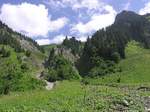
x: 59, y: 68
x: 119, y: 80
x: 15, y: 76
x: 116, y: 57
x: 24, y: 67
x: 50, y: 75
x: 102, y: 67
x: 9, y: 78
x: 84, y: 81
x: 97, y: 71
x: 4, y: 52
x: 28, y: 53
x: 68, y: 72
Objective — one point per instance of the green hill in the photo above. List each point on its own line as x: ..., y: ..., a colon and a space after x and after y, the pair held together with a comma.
x: 135, y: 68
x: 20, y: 58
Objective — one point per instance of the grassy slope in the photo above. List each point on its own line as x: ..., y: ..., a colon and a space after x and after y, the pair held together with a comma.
x: 135, y: 68
x: 72, y: 96
x: 28, y: 81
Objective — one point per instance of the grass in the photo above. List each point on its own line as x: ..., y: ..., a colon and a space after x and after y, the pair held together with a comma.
x: 42, y: 100
x: 71, y: 96
x: 100, y: 95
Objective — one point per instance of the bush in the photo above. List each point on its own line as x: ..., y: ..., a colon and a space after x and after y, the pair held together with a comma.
x: 24, y: 67
x: 27, y: 82
x: 116, y: 57
x: 9, y: 78
x: 85, y: 81
x: 28, y: 53
x: 119, y: 80
x: 97, y: 71
x: 65, y: 72
x: 4, y: 52
x: 5, y: 88
x: 50, y: 75
x: 68, y: 72
x: 60, y: 68
x: 102, y: 67
x: 15, y: 76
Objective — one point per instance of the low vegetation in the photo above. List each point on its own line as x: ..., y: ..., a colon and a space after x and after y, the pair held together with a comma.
x: 73, y: 96
x: 15, y: 73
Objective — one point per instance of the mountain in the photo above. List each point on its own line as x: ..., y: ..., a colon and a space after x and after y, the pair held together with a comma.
x: 135, y: 26
x: 109, y: 43
x: 16, y: 40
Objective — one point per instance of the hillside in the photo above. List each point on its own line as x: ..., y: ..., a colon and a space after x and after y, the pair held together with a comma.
x: 14, y: 39
x: 109, y: 44
x: 21, y: 43
x: 20, y: 58
x: 135, y: 68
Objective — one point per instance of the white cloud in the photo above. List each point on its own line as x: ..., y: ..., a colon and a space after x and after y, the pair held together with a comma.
x: 96, y: 22
x: 58, y: 39
x: 90, y: 4
x: 100, y: 15
x: 145, y: 10
x: 29, y: 19
x: 43, y: 41
x: 75, y: 4
x: 58, y: 24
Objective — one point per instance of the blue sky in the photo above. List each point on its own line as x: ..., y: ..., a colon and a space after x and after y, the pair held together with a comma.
x: 49, y: 21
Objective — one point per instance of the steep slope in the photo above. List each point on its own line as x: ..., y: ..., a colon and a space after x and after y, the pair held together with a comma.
x: 109, y: 43
x: 21, y: 43
x: 20, y: 59
x: 135, y: 26
x: 8, y: 36
x: 135, y: 68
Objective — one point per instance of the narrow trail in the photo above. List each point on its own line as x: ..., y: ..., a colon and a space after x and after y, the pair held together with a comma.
x: 50, y: 85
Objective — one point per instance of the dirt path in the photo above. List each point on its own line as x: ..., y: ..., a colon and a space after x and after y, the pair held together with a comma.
x: 49, y: 85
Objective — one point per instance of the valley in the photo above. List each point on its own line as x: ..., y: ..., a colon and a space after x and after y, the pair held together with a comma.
x: 110, y: 72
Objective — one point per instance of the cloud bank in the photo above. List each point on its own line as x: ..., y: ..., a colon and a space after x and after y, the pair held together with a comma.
x: 97, y: 21
x: 31, y: 20
x: 36, y: 20
x: 146, y: 9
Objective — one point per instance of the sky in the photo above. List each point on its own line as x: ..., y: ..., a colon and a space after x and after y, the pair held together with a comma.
x: 50, y: 21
